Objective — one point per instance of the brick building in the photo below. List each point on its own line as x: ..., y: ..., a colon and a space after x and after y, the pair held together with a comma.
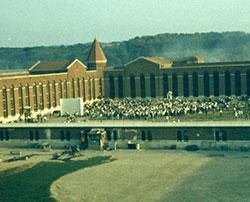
x: 41, y: 87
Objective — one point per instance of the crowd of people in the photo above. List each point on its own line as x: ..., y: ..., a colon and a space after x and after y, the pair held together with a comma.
x: 167, y: 108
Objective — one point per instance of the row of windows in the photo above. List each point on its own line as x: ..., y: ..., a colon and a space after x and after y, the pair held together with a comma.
x: 185, y: 85
x: 51, y: 100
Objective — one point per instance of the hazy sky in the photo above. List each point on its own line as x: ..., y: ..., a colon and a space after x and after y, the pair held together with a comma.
x: 55, y: 22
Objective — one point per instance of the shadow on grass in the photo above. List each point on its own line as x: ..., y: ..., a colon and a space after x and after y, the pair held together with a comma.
x: 33, y: 184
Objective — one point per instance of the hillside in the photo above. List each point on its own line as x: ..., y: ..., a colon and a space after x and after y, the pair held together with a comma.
x: 213, y: 47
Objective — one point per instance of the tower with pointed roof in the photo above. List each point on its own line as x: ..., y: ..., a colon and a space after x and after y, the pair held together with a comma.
x: 96, y: 58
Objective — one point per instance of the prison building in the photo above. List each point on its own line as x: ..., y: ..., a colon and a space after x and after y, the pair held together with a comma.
x: 40, y: 88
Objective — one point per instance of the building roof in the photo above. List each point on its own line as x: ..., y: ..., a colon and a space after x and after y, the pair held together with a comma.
x: 96, y: 54
x: 186, y: 60
x: 159, y: 60
x: 48, y: 67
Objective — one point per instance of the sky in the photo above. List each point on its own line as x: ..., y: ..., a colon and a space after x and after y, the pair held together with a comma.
x: 27, y: 23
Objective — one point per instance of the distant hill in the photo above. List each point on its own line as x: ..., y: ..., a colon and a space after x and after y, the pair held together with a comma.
x: 213, y: 47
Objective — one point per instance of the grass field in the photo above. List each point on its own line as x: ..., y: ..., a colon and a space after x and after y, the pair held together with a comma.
x: 128, y: 175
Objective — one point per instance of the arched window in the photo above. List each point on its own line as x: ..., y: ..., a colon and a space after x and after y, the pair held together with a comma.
x: 185, y: 84
x: 65, y: 88
x: 152, y: 85
x: 227, y: 83
x: 93, y: 81
x: 165, y: 85
x: 68, y: 136
x: 31, y: 136
x: 35, y: 97
x: 216, y: 84
x: 62, y: 137
x: 120, y: 86
x: 195, y: 85
x: 206, y: 84
x: 132, y: 86
x: 36, y: 135
x: 248, y: 82
x: 54, y: 93
x: 100, y: 87
x: 20, y: 98
x: 12, y: 100
x: 5, y: 102
x: 175, y: 84
x: 73, y: 88
x: 142, y: 81
x: 27, y: 94
x: 60, y: 89
x: 237, y: 83
x: 143, y: 135
x: 83, y: 89
x: 89, y: 87
x: 78, y: 87
x: 111, y: 86
x: 179, y: 136
x: 41, y: 95
x: 48, y: 95
x: 150, y: 138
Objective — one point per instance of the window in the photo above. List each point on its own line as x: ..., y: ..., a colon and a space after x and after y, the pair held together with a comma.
x: 36, y: 135
x: 206, y: 84
x: 150, y: 136
x: 237, y: 83
x: 35, y: 97
x: 111, y: 87
x: 100, y: 87
x: 1, y: 135
x: 224, y: 136
x: 62, y: 136
x: 83, y: 89
x: 175, y: 85
x: 78, y: 87
x: 142, y: 81
x: 65, y: 88
x: 27, y: 94
x: 5, y: 102
x: 60, y: 89
x: 185, y: 138
x: 195, y: 85
x: 143, y: 135
x: 179, y: 136
x: 108, y: 135
x: 115, y: 135
x: 217, y: 135
x: 248, y: 82
x: 132, y: 86
x: 7, y: 137
x: 89, y: 87
x: 227, y: 83
x: 68, y: 136
x: 185, y: 84
x: 152, y: 85
x: 31, y: 136
x: 120, y: 86
x: 12, y: 100
x: 216, y: 84
x: 48, y: 95
x: 54, y: 93
x: 41, y: 95
x: 20, y: 98
x: 73, y: 88
x: 165, y: 85
x: 93, y: 81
